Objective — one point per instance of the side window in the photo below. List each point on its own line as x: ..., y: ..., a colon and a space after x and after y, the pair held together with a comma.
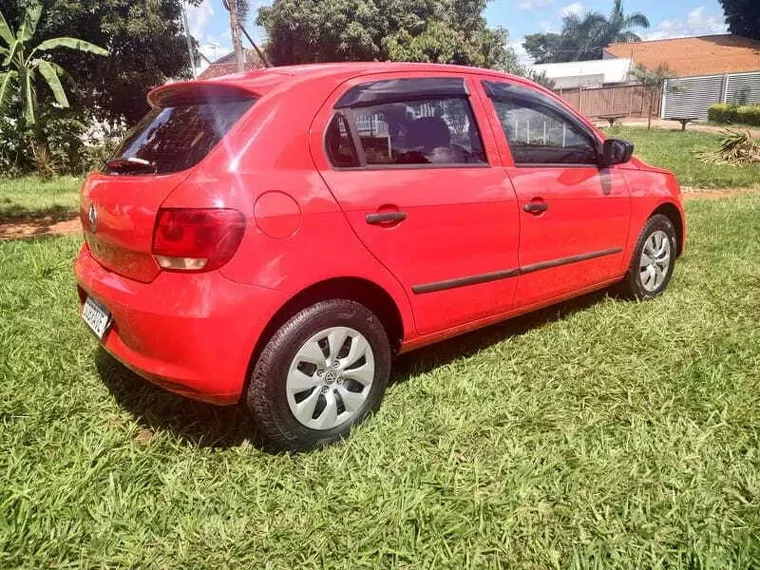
x: 340, y: 147
x: 538, y: 129
x: 419, y: 131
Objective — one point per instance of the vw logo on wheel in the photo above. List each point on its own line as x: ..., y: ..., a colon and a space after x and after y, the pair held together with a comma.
x: 92, y: 217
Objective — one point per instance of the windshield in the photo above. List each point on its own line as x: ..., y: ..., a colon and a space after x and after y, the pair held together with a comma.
x: 170, y: 139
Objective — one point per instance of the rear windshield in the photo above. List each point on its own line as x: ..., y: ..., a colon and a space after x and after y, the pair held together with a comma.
x: 170, y: 139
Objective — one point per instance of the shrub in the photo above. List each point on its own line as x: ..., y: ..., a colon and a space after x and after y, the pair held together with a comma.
x: 730, y: 114
x: 750, y: 115
x: 722, y: 113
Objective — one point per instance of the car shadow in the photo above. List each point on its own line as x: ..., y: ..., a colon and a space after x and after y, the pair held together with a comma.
x: 426, y: 359
x: 206, y: 425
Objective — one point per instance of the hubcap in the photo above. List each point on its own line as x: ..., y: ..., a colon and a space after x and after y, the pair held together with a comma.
x: 330, y: 378
x: 655, y: 261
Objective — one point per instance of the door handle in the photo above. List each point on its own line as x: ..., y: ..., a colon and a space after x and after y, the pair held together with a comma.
x: 536, y: 208
x: 385, y: 218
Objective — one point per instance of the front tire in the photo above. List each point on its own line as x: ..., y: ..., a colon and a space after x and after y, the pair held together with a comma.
x: 324, y: 371
x: 653, y: 260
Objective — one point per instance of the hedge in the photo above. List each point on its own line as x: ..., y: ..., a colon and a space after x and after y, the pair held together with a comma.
x: 728, y: 114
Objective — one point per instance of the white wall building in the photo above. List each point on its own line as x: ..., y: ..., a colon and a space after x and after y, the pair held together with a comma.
x: 594, y: 73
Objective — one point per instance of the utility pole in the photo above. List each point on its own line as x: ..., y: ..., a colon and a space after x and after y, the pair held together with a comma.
x: 189, y: 40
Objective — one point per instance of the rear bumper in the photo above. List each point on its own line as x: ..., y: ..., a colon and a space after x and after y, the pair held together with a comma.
x: 190, y: 334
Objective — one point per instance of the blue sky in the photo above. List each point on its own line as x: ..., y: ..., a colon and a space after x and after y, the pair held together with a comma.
x: 668, y: 18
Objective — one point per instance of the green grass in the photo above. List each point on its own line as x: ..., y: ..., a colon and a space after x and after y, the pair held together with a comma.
x: 674, y: 150
x: 31, y: 197
x: 598, y: 434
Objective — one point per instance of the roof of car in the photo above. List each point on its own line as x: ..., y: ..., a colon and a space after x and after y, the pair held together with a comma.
x: 260, y: 81
x: 260, y: 78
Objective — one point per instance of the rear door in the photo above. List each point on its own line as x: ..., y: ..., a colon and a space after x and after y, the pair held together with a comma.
x: 574, y: 215
x: 119, y: 205
x: 419, y: 180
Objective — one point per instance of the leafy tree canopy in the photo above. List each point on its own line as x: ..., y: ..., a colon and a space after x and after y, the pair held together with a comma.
x: 585, y: 37
x: 743, y: 17
x: 441, y: 31
x: 144, y: 38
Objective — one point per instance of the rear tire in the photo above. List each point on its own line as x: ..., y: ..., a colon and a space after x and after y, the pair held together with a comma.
x: 653, y: 260
x: 324, y: 371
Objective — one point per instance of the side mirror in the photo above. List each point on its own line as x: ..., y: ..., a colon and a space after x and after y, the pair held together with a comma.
x: 616, y: 151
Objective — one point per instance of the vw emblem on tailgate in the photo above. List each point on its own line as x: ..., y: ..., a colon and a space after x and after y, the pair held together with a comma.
x: 92, y: 217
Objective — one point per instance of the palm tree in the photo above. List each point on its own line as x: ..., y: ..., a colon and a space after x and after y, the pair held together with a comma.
x: 585, y: 37
x: 22, y: 62
x: 619, y: 26
x: 238, y: 13
x: 593, y: 32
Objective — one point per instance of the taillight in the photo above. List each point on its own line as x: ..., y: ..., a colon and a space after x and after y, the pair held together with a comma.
x: 196, y: 239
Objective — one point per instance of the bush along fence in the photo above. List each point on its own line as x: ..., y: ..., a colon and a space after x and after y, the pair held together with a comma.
x: 732, y: 114
x: 693, y: 96
x: 627, y: 100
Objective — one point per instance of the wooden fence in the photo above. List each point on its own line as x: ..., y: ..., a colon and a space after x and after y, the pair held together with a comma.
x: 628, y: 100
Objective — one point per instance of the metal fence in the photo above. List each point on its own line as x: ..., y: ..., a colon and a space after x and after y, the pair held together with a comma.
x: 692, y: 96
x: 627, y: 100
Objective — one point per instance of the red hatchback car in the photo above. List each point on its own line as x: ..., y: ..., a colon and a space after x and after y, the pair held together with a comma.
x: 278, y: 236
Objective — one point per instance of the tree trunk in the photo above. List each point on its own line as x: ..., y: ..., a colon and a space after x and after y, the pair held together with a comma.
x: 237, y: 45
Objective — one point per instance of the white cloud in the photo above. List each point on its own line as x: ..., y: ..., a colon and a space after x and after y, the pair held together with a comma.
x: 199, y: 18
x: 547, y: 27
x: 695, y: 23
x: 534, y: 4
x: 523, y: 57
x: 575, y: 8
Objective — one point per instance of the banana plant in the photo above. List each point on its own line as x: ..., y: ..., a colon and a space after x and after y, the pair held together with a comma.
x: 21, y: 63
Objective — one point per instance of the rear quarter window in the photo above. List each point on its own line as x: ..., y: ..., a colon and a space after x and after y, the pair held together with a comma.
x: 175, y: 138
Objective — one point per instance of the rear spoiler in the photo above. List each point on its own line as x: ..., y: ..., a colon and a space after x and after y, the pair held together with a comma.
x: 188, y: 93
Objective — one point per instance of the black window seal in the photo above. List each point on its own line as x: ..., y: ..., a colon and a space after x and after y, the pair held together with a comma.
x: 541, y: 101
x: 406, y: 89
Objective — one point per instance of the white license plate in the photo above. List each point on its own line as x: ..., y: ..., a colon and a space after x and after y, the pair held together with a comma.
x: 96, y: 316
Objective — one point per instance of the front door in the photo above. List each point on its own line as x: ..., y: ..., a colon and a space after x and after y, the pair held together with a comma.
x: 423, y: 190
x: 574, y: 215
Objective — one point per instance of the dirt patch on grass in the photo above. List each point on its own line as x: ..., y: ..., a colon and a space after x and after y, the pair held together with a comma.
x: 28, y: 227
x: 712, y: 194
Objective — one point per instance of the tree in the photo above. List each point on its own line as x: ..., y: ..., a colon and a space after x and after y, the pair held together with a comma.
x: 584, y: 38
x: 145, y: 40
x: 653, y: 81
x: 743, y: 17
x: 23, y: 62
x: 442, y: 31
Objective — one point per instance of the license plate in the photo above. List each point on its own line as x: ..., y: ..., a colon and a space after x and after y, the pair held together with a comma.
x: 96, y: 316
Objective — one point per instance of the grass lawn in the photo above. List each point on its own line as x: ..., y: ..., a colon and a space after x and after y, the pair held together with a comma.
x: 673, y: 149
x: 600, y: 434
x: 30, y: 197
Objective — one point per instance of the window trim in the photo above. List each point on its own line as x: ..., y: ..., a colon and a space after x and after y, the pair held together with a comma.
x: 407, y: 89
x: 348, y: 114
x: 541, y: 101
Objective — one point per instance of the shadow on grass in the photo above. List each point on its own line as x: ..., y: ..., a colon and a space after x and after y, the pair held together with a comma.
x: 206, y: 425
x: 20, y: 221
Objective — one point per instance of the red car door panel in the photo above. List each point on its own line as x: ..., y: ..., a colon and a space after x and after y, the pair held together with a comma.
x: 574, y: 215
x: 447, y: 231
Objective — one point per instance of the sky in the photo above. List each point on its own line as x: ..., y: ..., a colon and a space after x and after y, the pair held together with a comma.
x: 209, y: 22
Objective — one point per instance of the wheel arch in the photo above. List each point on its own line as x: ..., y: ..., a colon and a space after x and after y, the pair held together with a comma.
x: 671, y: 211
x: 358, y: 289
